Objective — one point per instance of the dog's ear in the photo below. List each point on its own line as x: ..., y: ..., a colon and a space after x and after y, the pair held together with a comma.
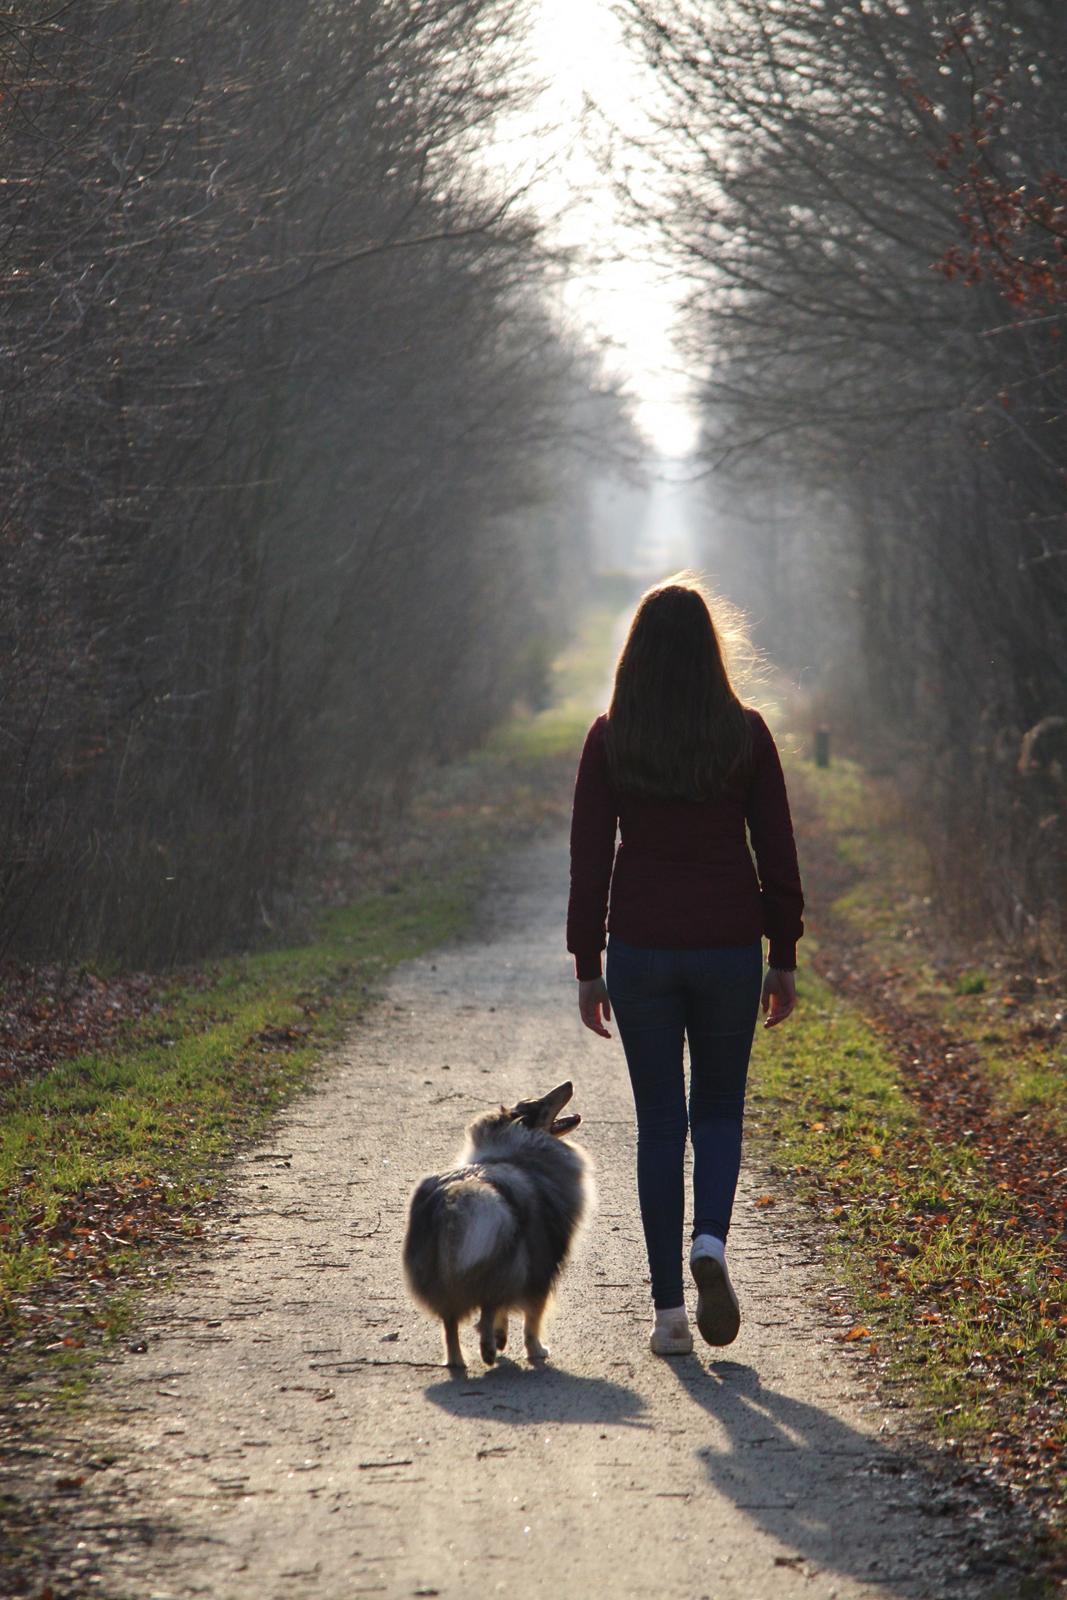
x: 540, y: 1113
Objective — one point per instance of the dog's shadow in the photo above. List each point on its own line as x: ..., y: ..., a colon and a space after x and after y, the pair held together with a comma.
x: 520, y: 1394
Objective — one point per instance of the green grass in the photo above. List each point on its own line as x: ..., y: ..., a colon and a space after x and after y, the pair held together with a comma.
x: 972, y: 983
x: 1032, y: 1082
x: 210, y: 1068
x: 887, y: 899
x: 951, y: 1292
x: 955, y: 1297
x: 843, y: 793
x: 580, y: 689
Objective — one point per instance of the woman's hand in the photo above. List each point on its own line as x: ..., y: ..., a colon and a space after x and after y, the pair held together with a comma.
x: 592, y: 1000
x: 779, y: 996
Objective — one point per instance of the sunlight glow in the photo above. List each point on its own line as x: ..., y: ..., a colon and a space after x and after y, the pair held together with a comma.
x: 591, y: 84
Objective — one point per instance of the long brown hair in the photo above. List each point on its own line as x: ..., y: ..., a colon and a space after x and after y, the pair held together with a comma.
x: 676, y: 729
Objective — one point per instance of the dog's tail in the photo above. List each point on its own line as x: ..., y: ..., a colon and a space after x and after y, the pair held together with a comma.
x: 486, y: 1226
x: 456, y: 1224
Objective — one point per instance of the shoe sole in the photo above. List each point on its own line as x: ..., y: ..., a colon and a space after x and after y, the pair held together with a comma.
x: 672, y: 1347
x: 718, y: 1314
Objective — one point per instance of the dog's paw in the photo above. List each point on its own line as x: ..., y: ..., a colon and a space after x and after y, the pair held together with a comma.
x: 488, y: 1346
x: 536, y: 1351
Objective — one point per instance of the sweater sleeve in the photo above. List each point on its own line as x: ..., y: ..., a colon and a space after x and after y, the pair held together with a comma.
x: 770, y: 828
x: 593, y: 825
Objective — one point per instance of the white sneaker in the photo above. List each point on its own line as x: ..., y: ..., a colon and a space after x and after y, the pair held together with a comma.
x: 718, y: 1314
x: 670, y: 1334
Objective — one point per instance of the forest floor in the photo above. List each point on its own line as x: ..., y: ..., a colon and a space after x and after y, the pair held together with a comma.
x: 213, y: 1381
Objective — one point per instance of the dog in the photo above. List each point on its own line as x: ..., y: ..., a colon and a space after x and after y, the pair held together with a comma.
x: 493, y: 1234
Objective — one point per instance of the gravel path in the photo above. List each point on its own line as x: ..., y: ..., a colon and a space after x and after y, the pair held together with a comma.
x: 288, y: 1431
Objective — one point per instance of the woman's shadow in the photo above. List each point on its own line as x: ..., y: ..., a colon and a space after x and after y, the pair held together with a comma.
x: 838, y: 1499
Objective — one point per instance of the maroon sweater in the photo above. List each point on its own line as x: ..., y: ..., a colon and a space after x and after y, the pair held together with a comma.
x: 683, y: 877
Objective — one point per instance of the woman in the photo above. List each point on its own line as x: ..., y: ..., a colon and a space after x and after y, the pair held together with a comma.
x: 680, y: 767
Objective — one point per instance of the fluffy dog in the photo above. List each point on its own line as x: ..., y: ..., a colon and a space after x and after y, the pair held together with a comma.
x: 493, y: 1234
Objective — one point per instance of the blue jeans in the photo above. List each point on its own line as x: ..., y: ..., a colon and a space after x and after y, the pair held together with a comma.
x: 659, y: 998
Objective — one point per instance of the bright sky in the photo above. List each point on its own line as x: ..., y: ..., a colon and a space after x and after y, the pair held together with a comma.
x: 576, y: 47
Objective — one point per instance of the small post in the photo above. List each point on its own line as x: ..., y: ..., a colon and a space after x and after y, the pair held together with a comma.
x: 822, y: 747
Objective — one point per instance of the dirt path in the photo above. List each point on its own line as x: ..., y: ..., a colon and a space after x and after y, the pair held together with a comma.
x: 287, y: 1432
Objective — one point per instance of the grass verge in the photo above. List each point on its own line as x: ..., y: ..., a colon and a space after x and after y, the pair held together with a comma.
x: 1004, y: 1004
x: 961, y: 1289
x: 108, y: 1157
x: 956, y: 1293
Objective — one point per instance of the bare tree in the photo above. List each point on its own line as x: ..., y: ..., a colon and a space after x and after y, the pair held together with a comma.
x: 868, y: 199
x: 283, y: 443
